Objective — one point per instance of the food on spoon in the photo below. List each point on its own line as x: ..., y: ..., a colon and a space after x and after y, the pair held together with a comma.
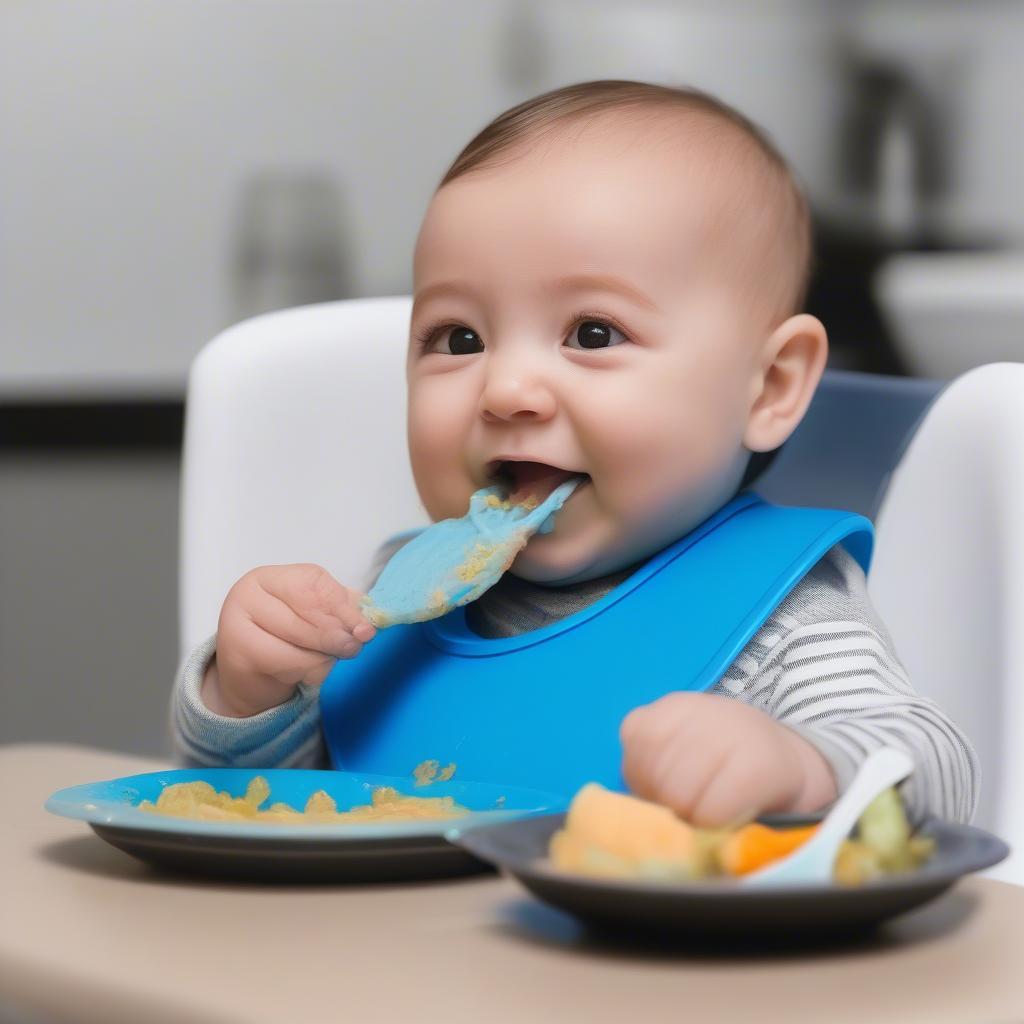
x: 476, y: 562
x: 615, y: 835
x: 199, y: 801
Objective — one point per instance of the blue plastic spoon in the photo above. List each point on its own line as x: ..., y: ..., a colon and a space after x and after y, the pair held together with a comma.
x: 454, y: 561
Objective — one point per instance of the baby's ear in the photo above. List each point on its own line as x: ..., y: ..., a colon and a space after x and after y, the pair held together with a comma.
x: 792, y: 361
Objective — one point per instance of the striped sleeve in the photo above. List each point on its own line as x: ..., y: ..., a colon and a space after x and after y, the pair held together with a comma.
x: 286, y: 736
x: 825, y: 665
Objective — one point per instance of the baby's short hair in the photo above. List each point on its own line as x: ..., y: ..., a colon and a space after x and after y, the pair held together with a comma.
x: 785, y: 226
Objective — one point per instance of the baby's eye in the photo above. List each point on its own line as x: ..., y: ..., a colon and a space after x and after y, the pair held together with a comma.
x: 458, y: 341
x: 594, y: 334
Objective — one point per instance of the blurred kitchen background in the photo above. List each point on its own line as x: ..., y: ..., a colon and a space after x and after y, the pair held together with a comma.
x: 168, y: 168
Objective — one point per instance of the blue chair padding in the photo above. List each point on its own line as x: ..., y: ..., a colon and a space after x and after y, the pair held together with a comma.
x: 849, y: 442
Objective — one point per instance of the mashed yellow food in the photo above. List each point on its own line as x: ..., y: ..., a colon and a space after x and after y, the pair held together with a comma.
x: 199, y: 801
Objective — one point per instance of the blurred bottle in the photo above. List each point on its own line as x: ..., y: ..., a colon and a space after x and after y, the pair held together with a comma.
x: 893, y: 152
x: 947, y: 80
x: 289, y: 245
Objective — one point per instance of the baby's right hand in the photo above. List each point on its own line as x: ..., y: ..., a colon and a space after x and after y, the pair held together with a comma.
x: 281, y: 625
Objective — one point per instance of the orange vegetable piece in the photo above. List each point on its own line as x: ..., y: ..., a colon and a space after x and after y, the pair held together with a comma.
x: 753, y: 846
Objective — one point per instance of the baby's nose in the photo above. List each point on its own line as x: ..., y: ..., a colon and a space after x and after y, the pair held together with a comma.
x: 510, y: 394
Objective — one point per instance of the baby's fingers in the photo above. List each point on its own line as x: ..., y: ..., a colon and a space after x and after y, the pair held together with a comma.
x: 657, y: 749
x: 732, y: 796
x: 314, y: 630
x: 352, y: 615
x: 287, y: 663
x: 674, y: 773
x: 315, y: 596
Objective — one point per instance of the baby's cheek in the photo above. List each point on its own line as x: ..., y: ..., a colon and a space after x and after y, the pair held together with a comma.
x: 443, y: 490
x: 636, y: 478
x: 683, y: 448
x: 435, y: 447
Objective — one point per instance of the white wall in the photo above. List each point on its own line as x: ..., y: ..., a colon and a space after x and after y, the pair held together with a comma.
x: 127, y: 128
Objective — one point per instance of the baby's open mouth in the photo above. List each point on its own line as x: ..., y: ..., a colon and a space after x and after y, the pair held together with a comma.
x: 530, y: 479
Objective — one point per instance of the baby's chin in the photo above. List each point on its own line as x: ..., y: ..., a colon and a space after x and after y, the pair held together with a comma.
x: 585, y: 547
x: 556, y: 559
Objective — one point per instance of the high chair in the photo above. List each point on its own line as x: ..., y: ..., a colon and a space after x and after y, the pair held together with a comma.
x: 295, y: 451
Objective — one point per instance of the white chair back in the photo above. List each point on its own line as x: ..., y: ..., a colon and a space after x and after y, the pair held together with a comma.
x: 948, y: 578
x: 295, y: 449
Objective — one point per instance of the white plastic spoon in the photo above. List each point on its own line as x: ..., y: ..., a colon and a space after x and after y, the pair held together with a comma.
x: 814, y: 861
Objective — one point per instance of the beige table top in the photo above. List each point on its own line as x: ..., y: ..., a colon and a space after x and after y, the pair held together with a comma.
x: 89, y: 934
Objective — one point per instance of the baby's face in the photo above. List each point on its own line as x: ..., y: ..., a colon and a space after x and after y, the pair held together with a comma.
x: 584, y: 316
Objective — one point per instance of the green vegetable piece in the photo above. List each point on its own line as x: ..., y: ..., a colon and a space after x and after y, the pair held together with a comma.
x: 883, y: 825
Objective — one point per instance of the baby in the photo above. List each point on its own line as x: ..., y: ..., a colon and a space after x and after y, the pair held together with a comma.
x: 608, y: 282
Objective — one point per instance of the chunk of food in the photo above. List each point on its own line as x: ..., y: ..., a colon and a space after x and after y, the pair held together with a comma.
x: 427, y: 772
x: 884, y: 844
x: 756, y: 846
x: 615, y: 835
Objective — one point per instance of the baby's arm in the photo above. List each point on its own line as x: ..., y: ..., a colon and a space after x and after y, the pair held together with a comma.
x: 821, y: 671
x: 838, y: 682
x: 847, y: 713
x: 287, y: 735
x: 248, y: 696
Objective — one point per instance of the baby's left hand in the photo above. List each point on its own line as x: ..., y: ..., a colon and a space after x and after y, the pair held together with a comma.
x: 718, y: 762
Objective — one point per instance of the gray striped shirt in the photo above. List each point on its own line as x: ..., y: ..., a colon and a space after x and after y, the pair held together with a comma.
x: 823, y: 664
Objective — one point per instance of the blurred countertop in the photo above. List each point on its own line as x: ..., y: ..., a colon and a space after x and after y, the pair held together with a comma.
x: 90, y: 934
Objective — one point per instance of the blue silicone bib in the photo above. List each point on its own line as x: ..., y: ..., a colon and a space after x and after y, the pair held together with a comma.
x: 543, y: 709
